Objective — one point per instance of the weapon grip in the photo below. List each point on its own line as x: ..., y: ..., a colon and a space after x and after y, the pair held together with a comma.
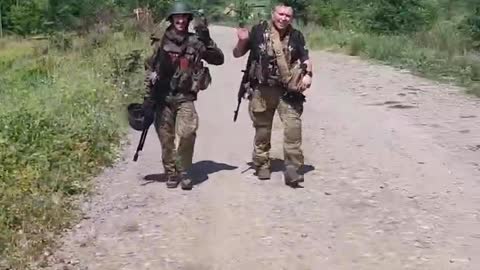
x: 235, y: 115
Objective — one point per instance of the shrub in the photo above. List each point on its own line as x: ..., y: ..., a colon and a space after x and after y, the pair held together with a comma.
x: 471, y: 27
x: 399, y: 16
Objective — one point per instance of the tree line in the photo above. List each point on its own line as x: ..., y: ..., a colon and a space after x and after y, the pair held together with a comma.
x: 27, y: 17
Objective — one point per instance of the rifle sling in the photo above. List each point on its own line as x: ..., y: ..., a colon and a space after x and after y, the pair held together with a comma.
x: 283, y: 67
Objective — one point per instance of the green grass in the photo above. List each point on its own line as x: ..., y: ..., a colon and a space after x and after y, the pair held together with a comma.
x: 61, y: 121
x: 441, y: 53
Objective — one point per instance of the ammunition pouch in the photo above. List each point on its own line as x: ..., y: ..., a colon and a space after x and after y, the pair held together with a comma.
x: 292, y: 87
x: 181, y: 81
x: 201, y: 79
x: 294, y: 97
x: 290, y: 75
x: 191, y: 80
x: 260, y: 71
x: 294, y: 82
x: 192, y: 75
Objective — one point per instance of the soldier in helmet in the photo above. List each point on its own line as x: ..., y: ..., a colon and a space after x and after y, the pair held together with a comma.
x: 279, y: 71
x: 175, y: 75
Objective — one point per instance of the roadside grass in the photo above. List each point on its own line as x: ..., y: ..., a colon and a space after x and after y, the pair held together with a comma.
x: 62, y: 121
x: 441, y: 54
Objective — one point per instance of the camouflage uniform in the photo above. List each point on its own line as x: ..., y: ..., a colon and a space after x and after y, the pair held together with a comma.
x: 179, y: 75
x: 268, y: 95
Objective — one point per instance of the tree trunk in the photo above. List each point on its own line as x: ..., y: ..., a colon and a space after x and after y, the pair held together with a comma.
x: 1, y: 24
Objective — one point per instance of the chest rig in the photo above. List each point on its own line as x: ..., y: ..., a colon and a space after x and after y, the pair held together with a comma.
x: 274, y: 66
x: 189, y: 75
x: 264, y: 69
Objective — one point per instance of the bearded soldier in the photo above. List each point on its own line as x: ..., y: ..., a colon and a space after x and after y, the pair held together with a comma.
x: 175, y: 75
x: 279, y: 71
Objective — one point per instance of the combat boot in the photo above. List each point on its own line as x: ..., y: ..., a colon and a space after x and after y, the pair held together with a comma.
x: 172, y: 181
x: 263, y: 173
x: 292, y: 177
x: 186, y: 181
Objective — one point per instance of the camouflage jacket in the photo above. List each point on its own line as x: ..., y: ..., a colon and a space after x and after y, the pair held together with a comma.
x: 175, y: 70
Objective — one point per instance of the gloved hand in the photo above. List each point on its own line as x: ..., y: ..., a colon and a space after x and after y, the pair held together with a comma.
x: 149, y: 112
x: 203, y: 34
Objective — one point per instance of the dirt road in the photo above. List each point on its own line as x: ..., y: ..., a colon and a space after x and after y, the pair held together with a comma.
x: 392, y: 182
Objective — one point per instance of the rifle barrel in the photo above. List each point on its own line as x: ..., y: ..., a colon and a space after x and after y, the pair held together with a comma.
x: 140, y: 144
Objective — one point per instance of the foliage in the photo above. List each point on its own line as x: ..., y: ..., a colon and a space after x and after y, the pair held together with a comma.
x: 442, y: 57
x: 471, y: 27
x: 399, y: 16
x: 44, y: 16
x: 26, y: 18
x: 420, y: 35
x: 62, y: 121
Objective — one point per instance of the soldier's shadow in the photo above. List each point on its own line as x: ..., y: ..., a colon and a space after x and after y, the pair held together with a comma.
x: 199, y: 172
x: 278, y: 165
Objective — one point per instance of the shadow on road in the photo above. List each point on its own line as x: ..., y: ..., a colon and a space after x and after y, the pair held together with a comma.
x: 278, y: 165
x: 199, y: 171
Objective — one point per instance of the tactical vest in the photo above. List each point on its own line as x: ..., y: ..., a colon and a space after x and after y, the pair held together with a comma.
x: 180, y: 68
x: 271, y: 65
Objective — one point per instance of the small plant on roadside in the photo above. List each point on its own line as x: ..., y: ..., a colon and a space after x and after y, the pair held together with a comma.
x: 471, y: 27
x: 357, y: 46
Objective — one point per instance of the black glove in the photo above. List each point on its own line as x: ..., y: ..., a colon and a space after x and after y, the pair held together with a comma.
x: 295, y: 97
x: 148, y: 112
x: 203, y: 34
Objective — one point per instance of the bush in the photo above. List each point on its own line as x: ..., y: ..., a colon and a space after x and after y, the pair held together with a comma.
x: 399, y: 16
x: 27, y: 18
x: 471, y: 27
x: 60, y: 41
x: 445, y: 37
x: 325, y: 13
x: 431, y: 59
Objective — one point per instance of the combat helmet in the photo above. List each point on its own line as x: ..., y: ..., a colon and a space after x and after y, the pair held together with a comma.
x: 179, y: 7
x: 136, y: 116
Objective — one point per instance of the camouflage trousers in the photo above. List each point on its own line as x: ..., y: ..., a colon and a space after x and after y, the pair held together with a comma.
x: 172, y: 121
x: 265, y: 101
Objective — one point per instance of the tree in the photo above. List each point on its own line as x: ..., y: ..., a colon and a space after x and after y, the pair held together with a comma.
x: 26, y: 18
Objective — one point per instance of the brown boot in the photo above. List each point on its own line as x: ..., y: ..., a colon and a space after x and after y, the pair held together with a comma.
x: 172, y: 181
x: 186, y: 181
x: 263, y: 173
x: 292, y: 178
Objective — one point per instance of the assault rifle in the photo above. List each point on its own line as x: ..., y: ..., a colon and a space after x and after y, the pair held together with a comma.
x: 241, y: 93
x: 244, y: 84
x: 243, y: 11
